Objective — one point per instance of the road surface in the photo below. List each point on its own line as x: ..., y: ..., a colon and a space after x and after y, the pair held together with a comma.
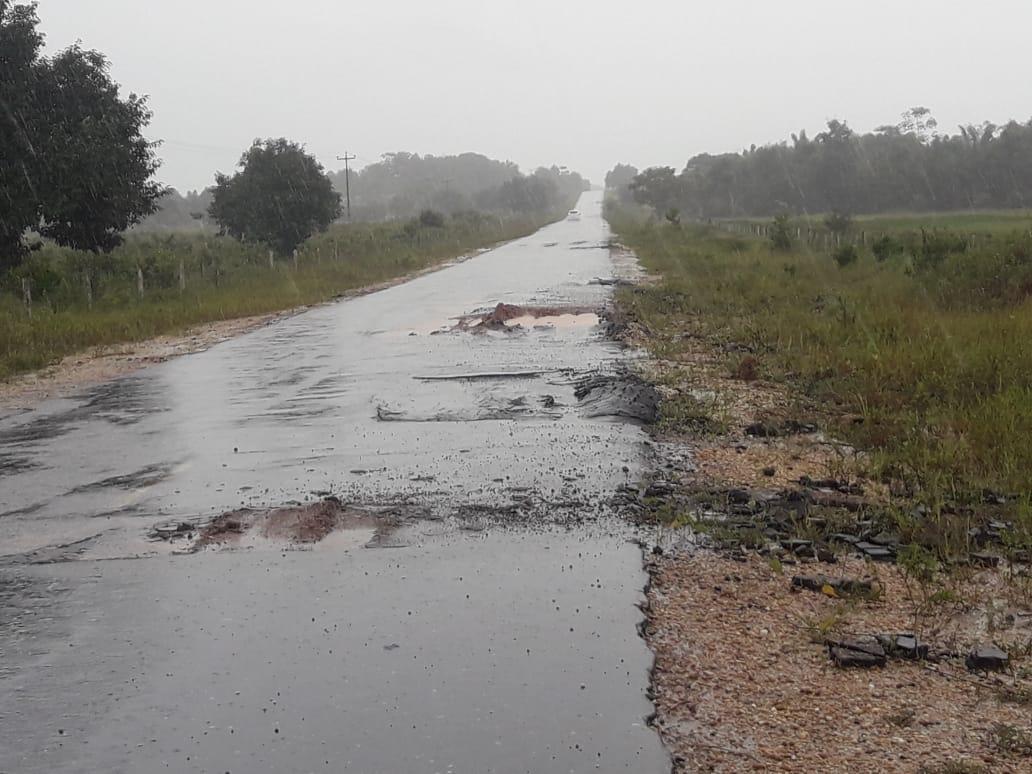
x: 492, y: 628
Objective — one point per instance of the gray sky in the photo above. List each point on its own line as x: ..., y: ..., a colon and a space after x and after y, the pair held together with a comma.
x: 586, y: 83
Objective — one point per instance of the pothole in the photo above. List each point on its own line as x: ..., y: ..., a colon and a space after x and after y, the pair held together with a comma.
x: 302, y: 525
x: 516, y: 317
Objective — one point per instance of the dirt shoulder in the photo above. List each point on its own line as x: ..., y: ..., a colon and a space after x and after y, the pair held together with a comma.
x: 793, y: 631
x: 743, y: 680
x: 101, y: 364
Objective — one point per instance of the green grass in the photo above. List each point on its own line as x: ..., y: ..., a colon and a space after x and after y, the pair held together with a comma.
x: 997, y: 222
x: 224, y: 280
x: 932, y: 347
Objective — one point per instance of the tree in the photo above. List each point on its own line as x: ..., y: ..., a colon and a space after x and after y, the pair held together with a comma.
x: 919, y: 122
x: 73, y: 162
x: 911, y: 167
x: 657, y: 187
x: 99, y: 171
x: 20, y: 161
x: 280, y: 196
x: 619, y: 179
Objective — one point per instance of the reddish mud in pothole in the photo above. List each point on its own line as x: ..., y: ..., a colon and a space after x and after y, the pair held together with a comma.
x: 513, y: 317
x: 299, y: 525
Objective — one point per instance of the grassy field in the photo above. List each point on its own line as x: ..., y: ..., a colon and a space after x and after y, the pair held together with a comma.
x: 928, y: 345
x: 981, y: 223
x: 191, y: 279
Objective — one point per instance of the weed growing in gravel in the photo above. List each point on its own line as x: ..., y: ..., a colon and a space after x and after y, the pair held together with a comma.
x: 819, y: 627
x: 1011, y: 739
x: 687, y: 412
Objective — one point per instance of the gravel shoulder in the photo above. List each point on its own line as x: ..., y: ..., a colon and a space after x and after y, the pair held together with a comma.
x: 743, y: 682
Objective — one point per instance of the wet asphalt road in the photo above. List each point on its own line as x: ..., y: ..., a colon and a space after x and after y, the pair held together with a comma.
x: 482, y: 636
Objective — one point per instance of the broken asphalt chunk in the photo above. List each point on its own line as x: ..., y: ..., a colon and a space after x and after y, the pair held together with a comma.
x: 905, y: 646
x: 861, y: 651
x: 988, y: 658
x: 875, y: 552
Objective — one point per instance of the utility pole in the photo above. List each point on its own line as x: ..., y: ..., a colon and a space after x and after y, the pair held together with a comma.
x: 347, y: 178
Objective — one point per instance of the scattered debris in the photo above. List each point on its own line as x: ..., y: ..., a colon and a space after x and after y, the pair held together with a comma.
x: 174, y: 530
x: 860, y: 651
x: 904, y: 646
x: 987, y: 658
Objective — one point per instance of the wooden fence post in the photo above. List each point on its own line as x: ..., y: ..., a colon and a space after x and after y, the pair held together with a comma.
x: 27, y: 294
x: 272, y: 260
x: 87, y: 282
x: 139, y: 281
x: 295, y: 259
x: 336, y: 250
x: 182, y: 276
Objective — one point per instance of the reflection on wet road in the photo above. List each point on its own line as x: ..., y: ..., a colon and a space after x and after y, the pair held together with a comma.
x: 507, y: 649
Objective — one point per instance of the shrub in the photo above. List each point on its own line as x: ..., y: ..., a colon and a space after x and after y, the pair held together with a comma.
x: 885, y: 247
x: 936, y: 247
x: 780, y: 235
x: 846, y: 255
x: 431, y: 219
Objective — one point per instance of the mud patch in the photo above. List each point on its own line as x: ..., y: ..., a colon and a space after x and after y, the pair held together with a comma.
x: 515, y: 317
x: 618, y: 395
x: 292, y: 525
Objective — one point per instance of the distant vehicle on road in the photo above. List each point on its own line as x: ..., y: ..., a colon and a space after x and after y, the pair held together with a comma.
x: 573, y: 215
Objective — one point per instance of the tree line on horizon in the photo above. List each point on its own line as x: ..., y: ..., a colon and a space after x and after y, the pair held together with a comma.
x: 907, y: 166
x: 402, y: 185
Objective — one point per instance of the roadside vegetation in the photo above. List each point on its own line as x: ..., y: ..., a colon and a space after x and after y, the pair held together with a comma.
x: 194, y: 278
x: 915, y: 346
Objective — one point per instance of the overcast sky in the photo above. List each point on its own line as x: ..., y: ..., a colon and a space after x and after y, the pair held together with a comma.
x: 586, y: 83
